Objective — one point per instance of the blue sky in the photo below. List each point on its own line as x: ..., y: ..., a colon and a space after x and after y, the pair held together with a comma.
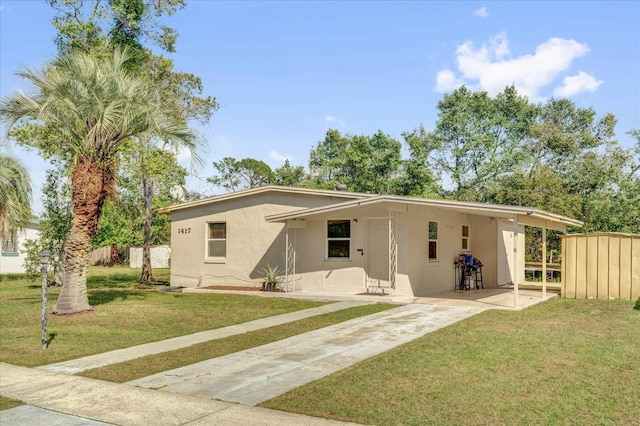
x: 286, y: 72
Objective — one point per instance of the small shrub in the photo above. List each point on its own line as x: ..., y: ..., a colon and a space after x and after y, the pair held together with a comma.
x: 272, y: 277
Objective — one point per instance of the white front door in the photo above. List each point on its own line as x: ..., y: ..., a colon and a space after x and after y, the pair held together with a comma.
x: 378, y: 253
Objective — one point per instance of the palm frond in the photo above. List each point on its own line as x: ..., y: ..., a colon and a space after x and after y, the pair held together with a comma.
x: 15, y: 194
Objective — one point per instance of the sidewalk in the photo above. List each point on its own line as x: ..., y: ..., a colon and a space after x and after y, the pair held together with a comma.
x: 74, y: 399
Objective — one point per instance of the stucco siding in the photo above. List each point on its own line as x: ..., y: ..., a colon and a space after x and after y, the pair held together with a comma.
x: 314, y: 273
x: 416, y: 274
x: 432, y: 276
x: 255, y: 233
x: 484, y: 246
x: 251, y: 242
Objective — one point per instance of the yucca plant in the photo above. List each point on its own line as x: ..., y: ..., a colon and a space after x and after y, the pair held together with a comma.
x: 272, y: 277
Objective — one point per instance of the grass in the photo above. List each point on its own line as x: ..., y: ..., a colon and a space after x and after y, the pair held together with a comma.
x: 6, y: 403
x: 125, y: 314
x: 152, y: 364
x: 563, y: 362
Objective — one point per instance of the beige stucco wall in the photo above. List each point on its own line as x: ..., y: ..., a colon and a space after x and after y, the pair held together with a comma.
x: 252, y: 243
x: 484, y: 246
x: 427, y: 277
x: 416, y: 275
x: 317, y: 274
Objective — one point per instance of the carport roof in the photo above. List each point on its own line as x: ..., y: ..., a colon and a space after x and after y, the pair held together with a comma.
x: 394, y: 201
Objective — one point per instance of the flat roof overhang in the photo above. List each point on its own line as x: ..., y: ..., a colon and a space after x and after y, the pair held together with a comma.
x: 525, y: 215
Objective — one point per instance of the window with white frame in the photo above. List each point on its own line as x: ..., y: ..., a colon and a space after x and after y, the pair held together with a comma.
x: 465, y: 237
x: 217, y: 239
x: 339, y: 239
x: 433, y: 240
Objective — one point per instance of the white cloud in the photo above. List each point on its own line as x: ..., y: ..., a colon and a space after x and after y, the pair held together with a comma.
x: 482, y: 12
x: 572, y: 85
x: 180, y: 152
x: 278, y: 157
x: 500, y: 45
x: 330, y: 119
x: 491, y: 67
x: 446, y: 81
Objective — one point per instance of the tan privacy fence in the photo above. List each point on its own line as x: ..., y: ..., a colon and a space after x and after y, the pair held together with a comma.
x: 601, y: 266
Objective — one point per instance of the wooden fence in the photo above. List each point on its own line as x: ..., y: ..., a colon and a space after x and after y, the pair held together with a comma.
x: 100, y: 256
x: 601, y: 266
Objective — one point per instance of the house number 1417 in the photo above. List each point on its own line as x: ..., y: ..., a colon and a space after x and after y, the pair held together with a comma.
x: 184, y: 230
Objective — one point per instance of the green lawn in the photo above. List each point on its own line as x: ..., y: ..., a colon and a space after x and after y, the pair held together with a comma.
x: 564, y: 362
x: 125, y: 314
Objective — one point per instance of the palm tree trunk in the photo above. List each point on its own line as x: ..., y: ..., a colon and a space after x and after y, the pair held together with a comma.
x: 91, y: 183
x: 147, y: 189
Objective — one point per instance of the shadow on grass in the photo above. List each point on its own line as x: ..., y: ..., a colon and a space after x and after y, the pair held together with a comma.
x: 34, y: 298
x: 101, y: 297
x: 115, y: 280
x: 16, y: 277
x: 51, y: 337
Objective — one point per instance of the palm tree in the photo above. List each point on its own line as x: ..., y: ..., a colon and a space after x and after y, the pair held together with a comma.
x: 15, y: 195
x: 94, y: 107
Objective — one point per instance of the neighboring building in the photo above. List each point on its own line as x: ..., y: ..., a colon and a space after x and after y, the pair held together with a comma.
x: 342, y: 242
x: 12, y: 254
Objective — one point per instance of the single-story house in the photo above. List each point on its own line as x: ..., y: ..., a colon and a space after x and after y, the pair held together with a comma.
x: 12, y: 253
x: 344, y: 242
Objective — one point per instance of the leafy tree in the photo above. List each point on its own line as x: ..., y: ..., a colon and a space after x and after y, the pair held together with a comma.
x: 478, y: 138
x: 96, y: 105
x: 97, y: 27
x: 570, y: 164
x: 416, y: 177
x: 611, y: 185
x: 288, y: 175
x: 362, y: 163
x: 239, y: 174
x: 15, y: 195
x: 152, y: 172
x: 55, y: 222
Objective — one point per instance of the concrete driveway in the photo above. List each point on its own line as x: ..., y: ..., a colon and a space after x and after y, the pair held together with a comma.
x: 258, y: 374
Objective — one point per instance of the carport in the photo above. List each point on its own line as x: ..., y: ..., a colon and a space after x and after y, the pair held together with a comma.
x: 403, y: 227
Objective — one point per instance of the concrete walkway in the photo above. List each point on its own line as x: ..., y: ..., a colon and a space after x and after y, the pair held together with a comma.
x: 75, y: 366
x: 258, y: 374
